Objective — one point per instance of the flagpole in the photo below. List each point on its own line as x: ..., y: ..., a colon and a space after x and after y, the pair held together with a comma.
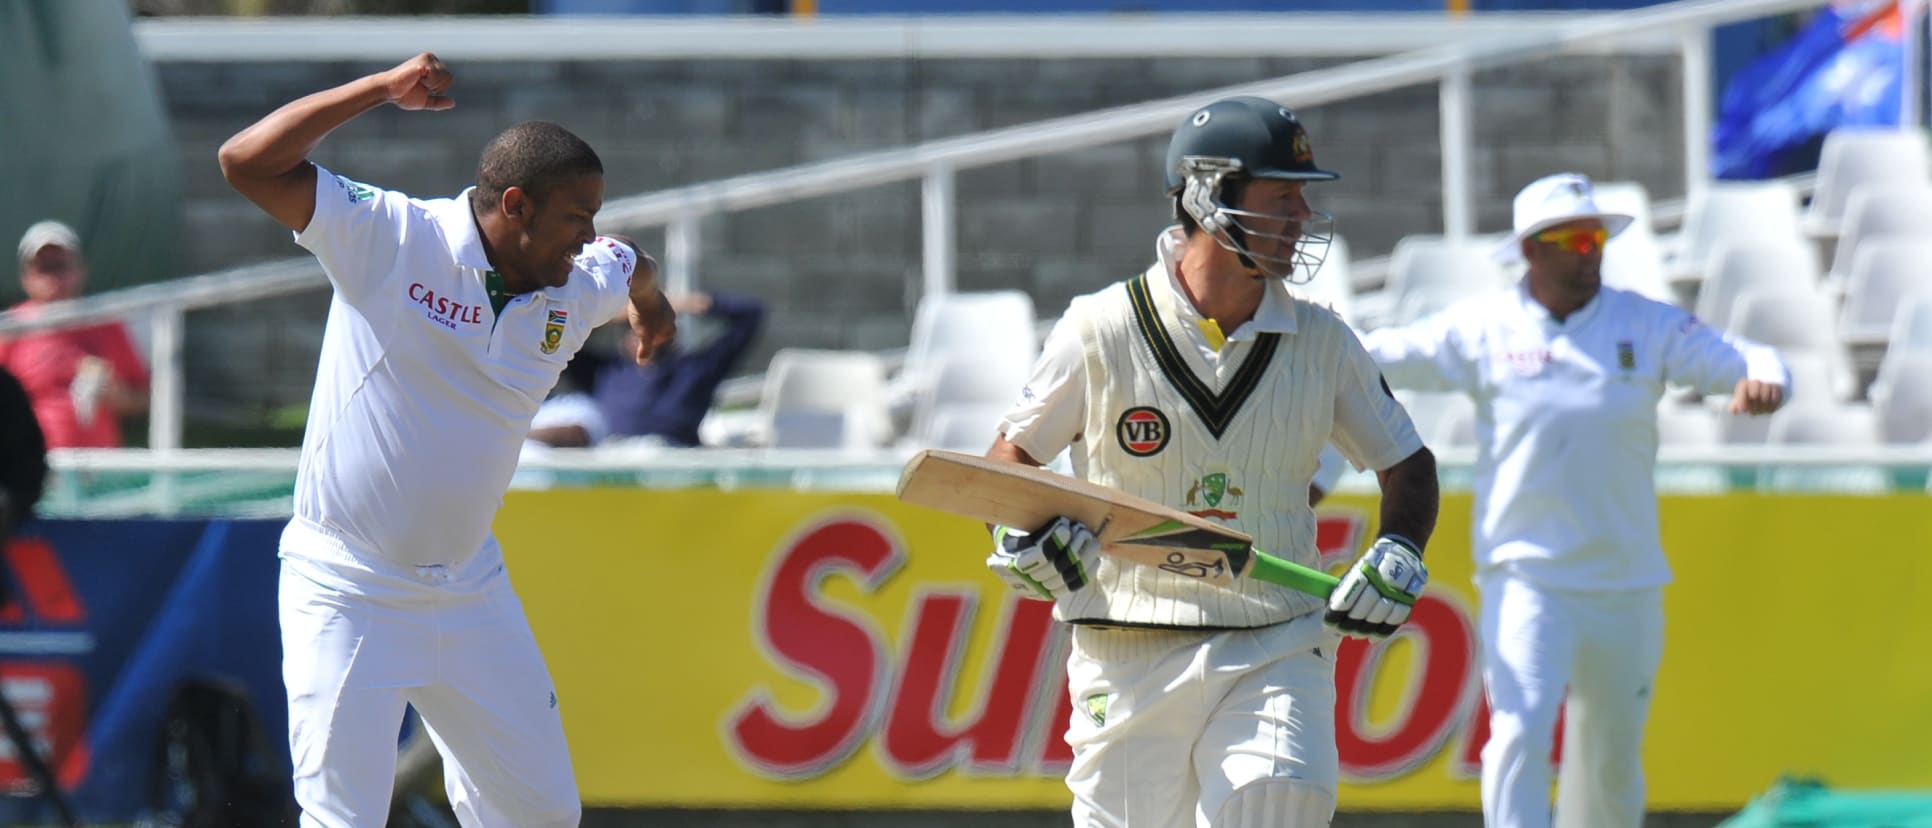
x: 1912, y: 86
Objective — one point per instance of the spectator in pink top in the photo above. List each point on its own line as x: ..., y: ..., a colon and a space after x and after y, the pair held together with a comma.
x: 82, y: 380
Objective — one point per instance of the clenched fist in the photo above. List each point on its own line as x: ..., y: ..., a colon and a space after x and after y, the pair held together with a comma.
x: 419, y: 83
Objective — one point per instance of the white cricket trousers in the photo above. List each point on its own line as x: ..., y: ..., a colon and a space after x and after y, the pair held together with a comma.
x: 1230, y: 729
x: 1605, y: 647
x: 469, y: 664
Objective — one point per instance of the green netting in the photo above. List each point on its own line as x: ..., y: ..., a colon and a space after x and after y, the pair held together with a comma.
x: 1806, y: 803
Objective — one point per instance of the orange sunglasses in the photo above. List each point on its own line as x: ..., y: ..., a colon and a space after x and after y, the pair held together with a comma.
x: 1576, y: 240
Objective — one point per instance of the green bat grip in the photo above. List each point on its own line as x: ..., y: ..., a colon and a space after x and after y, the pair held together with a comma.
x: 1293, y: 576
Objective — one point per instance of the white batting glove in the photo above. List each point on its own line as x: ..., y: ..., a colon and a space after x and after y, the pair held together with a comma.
x: 1046, y: 564
x: 1377, y: 593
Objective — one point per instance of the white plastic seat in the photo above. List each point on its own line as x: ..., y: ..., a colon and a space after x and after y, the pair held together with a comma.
x: 1333, y: 286
x: 1694, y: 427
x: 1735, y: 268
x: 824, y: 399
x: 1912, y: 324
x: 1883, y: 273
x: 1817, y: 377
x: 962, y: 380
x: 1439, y: 415
x: 1785, y: 317
x: 1848, y: 426
x: 1429, y: 273
x: 1728, y: 211
x: 1903, y: 399
x: 1634, y: 261
x: 1796, y: 320
x: 968, y: 428
x: 1686, y: 425
x: 1901, y: 211
x: 990, y: 324
x: 1854, y: 157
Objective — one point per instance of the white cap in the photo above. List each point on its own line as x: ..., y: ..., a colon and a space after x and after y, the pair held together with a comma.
x: 46, y: 233
x: 1553, y: 200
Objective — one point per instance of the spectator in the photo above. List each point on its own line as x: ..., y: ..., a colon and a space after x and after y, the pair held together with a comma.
x: 82, y: 380
x: 23, y: 457
x: 667, y: 398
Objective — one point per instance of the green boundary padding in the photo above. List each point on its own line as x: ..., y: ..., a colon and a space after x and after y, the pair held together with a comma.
x: 1807, y: 803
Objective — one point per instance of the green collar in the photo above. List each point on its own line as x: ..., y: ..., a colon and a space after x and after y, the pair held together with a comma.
x: 499, y: 295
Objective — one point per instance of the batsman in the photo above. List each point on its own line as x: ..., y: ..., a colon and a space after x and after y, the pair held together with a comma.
x: 1205, y: 384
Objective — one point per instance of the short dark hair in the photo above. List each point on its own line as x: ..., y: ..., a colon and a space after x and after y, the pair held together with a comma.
x: 533, y: 156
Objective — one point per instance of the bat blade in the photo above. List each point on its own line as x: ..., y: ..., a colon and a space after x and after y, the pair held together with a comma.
x: 1130, y: 528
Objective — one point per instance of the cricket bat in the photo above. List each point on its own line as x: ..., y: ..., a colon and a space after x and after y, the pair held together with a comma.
x: 1129, y: 528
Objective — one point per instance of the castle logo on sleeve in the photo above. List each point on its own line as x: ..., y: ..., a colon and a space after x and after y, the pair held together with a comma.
x: 1142, y: 431
x: 553, y: 331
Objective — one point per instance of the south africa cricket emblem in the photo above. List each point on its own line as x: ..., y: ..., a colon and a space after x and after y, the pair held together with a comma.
x: 553, y: 331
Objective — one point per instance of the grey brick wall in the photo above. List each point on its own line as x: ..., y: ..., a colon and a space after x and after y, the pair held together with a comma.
x: 841, y: 270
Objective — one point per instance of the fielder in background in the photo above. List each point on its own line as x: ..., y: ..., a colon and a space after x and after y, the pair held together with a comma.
x: 1566, y: 375
x: 1204, y: 384
x: 451, y: 320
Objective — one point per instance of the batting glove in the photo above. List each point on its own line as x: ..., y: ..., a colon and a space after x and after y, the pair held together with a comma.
x: 1377, y: 593
x: 1045, y: 564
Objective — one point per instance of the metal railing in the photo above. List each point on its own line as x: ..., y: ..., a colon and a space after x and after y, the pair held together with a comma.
x: 681, y: 211
x: 95, y: 483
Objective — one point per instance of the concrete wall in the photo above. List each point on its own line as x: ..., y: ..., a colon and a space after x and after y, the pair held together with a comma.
x: 841, y: 271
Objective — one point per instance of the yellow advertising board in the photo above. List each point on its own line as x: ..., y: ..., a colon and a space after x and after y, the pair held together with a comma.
x: 760, y: 649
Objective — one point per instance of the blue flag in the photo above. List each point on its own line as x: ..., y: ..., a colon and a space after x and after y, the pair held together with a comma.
x: 1846, y: 68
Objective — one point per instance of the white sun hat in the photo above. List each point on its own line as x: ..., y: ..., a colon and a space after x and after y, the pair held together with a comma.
x: 47, y: 233
x: 1553, y: 200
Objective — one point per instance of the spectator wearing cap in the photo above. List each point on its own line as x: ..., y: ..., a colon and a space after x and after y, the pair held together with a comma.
x: 83, y: 379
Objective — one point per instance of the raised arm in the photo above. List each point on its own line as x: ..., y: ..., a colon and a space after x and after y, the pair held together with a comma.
x: 268, y: 162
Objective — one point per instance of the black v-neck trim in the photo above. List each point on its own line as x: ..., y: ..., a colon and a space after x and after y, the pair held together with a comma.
x: 1215, y: 410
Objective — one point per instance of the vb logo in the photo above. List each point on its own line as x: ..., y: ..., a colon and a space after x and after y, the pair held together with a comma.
x: 1142, y: 431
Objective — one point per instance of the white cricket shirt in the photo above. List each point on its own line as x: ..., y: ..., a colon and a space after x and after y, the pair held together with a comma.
x: 423, y: 394
x: 1566, y: 422
x: 1233, y: 434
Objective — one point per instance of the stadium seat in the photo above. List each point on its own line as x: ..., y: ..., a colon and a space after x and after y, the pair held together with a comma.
x: 1852, y: 158
x: 1429, y: 273
x: 1846, y: 426
x: 1881, y: 212
x: 1882, y: 273
x: 1737, y: 267
x: 1903, y: 398
x: 824, y: 399
x: 1685, y: 425
x: 968, y: 428
x: 1688, y: 426
x: 1817, y: 377
x: 1334, y: 286
x: 1912, y: 324
x: 1796, y: 320
x: 991, y: 325
x: 1736, y: 429
x: 1636, y: 245
x: 1634, y: 260
x: 966, y: 381
x: 1440, y: 415
x: 1738, y: 212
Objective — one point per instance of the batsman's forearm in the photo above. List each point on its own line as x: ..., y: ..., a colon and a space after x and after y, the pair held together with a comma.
x: 1410, y: 497
x: 283, y: 140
